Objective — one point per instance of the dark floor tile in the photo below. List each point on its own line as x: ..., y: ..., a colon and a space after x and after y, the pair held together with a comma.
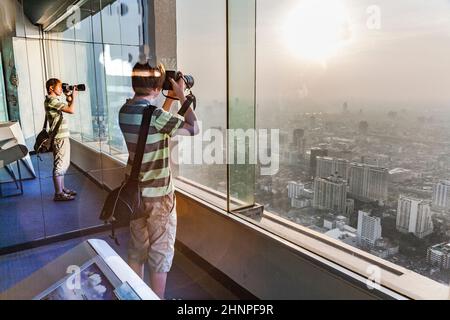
x: 83, y: 212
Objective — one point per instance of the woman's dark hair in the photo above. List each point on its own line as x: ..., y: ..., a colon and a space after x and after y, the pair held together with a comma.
x: 51, y: 83
x: 145, y: 78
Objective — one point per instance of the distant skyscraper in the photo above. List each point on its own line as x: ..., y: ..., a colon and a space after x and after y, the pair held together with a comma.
x: 327, y: 166
x: 349, y: 207
x: 299, y: 141
x: 414, y: 216
x: 315, y: 152
x: 363, y: 127
x: 439, y: 255
x: 368, y: 182
x: 298, y: 135
x: 295, y: 189
x: 345, y: 108
x: 441, y: 195
x: 330, y: 193
x: 312, y: 122
x: 369, y: 228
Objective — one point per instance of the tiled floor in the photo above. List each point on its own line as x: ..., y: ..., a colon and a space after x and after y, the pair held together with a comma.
x: 34, y: 215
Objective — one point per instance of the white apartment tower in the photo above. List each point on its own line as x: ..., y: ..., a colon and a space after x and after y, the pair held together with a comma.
x: 414, y: 216
x: 369, y: 228
x: 368, y: 182
x: 330, y: 193
x: 328, y: 166
x: 441, y: 195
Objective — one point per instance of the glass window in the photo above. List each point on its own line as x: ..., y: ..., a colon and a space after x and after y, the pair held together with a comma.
x: 118, y: 63
x: 241, y: 102
x: 360, y: 95
x: 27, y: 54
x: 111, y: 23
x: 87, y: 101
x: 130, y: 12
x: 210, y: 89
x: 83, y: 27
x: 76, y: 53
x: 97, y: 27
x: 3, y: 106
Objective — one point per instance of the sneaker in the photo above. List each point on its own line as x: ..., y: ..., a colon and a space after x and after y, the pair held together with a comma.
x: 63, y: 197
x: 70, y: 192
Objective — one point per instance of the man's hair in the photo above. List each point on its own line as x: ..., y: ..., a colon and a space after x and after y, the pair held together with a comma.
x: 51, y: 83
x: 145, y: 78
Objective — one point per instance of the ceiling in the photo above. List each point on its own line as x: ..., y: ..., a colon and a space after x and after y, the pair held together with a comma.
x: 45, y: 12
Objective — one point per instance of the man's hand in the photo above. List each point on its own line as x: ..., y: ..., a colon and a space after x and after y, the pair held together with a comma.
x: 178, y: 89
x: 71, y: 96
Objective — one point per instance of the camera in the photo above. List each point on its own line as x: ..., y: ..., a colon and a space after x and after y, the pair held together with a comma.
x: 177, y: 75
x: 68, y: 88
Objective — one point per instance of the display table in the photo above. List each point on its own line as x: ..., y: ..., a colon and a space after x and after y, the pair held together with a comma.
x: 90, y: 271
x: 11, y: 136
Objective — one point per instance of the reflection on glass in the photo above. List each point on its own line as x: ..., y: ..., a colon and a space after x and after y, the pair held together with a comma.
x: 131, y: 26
x: 75, y: 52
x: 202, y: 159
x: 110, y: 16
x: 87, y: 100
x: 3, y: 106
x: 241, y: 99
x: 118, y: 62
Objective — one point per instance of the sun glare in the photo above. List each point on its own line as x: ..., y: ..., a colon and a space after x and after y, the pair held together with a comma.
x: 317, y: 29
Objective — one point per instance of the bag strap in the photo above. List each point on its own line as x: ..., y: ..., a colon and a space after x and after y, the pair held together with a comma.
x: 45, y: 122
x: 142, y: 141
x: 54, y: 132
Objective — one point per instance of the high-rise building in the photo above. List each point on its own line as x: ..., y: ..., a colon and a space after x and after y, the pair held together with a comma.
x: 439, y: 255
x: 295, y: 189
x: 299, y: 141
x: 330, y: 193
x: 345, y: 108
x: 315, y: 152
x: 368, y: 182
x: 441, y: 195
x: 327, y: 166
x: 369, y: 229
x: 414, y: 216
x: 363, y: 127
x: 298, y: 136
x: 349, y: 207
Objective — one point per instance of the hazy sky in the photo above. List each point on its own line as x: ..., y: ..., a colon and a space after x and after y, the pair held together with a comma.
x: 406, y: 60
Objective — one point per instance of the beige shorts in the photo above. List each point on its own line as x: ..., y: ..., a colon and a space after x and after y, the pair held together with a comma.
x: 152, y: 238
x: 61, y: 156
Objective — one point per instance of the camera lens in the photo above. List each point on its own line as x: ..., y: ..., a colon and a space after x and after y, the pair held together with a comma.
x: 81, y: 87
x: 189, y: 81
x: 176, y: 75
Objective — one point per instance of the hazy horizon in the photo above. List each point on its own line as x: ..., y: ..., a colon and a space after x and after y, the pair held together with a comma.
x: 405, y: 61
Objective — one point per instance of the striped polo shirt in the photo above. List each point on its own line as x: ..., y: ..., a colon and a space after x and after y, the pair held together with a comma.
x: 53, y: 106
x: 155, y: 175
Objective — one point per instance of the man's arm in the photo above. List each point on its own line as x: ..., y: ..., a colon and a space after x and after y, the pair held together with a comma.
x: 70, y: 107
x: 190, y: 125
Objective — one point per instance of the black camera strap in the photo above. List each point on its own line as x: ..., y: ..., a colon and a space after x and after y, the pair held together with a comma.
x: 190, y: 99
x: 142, y: 141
